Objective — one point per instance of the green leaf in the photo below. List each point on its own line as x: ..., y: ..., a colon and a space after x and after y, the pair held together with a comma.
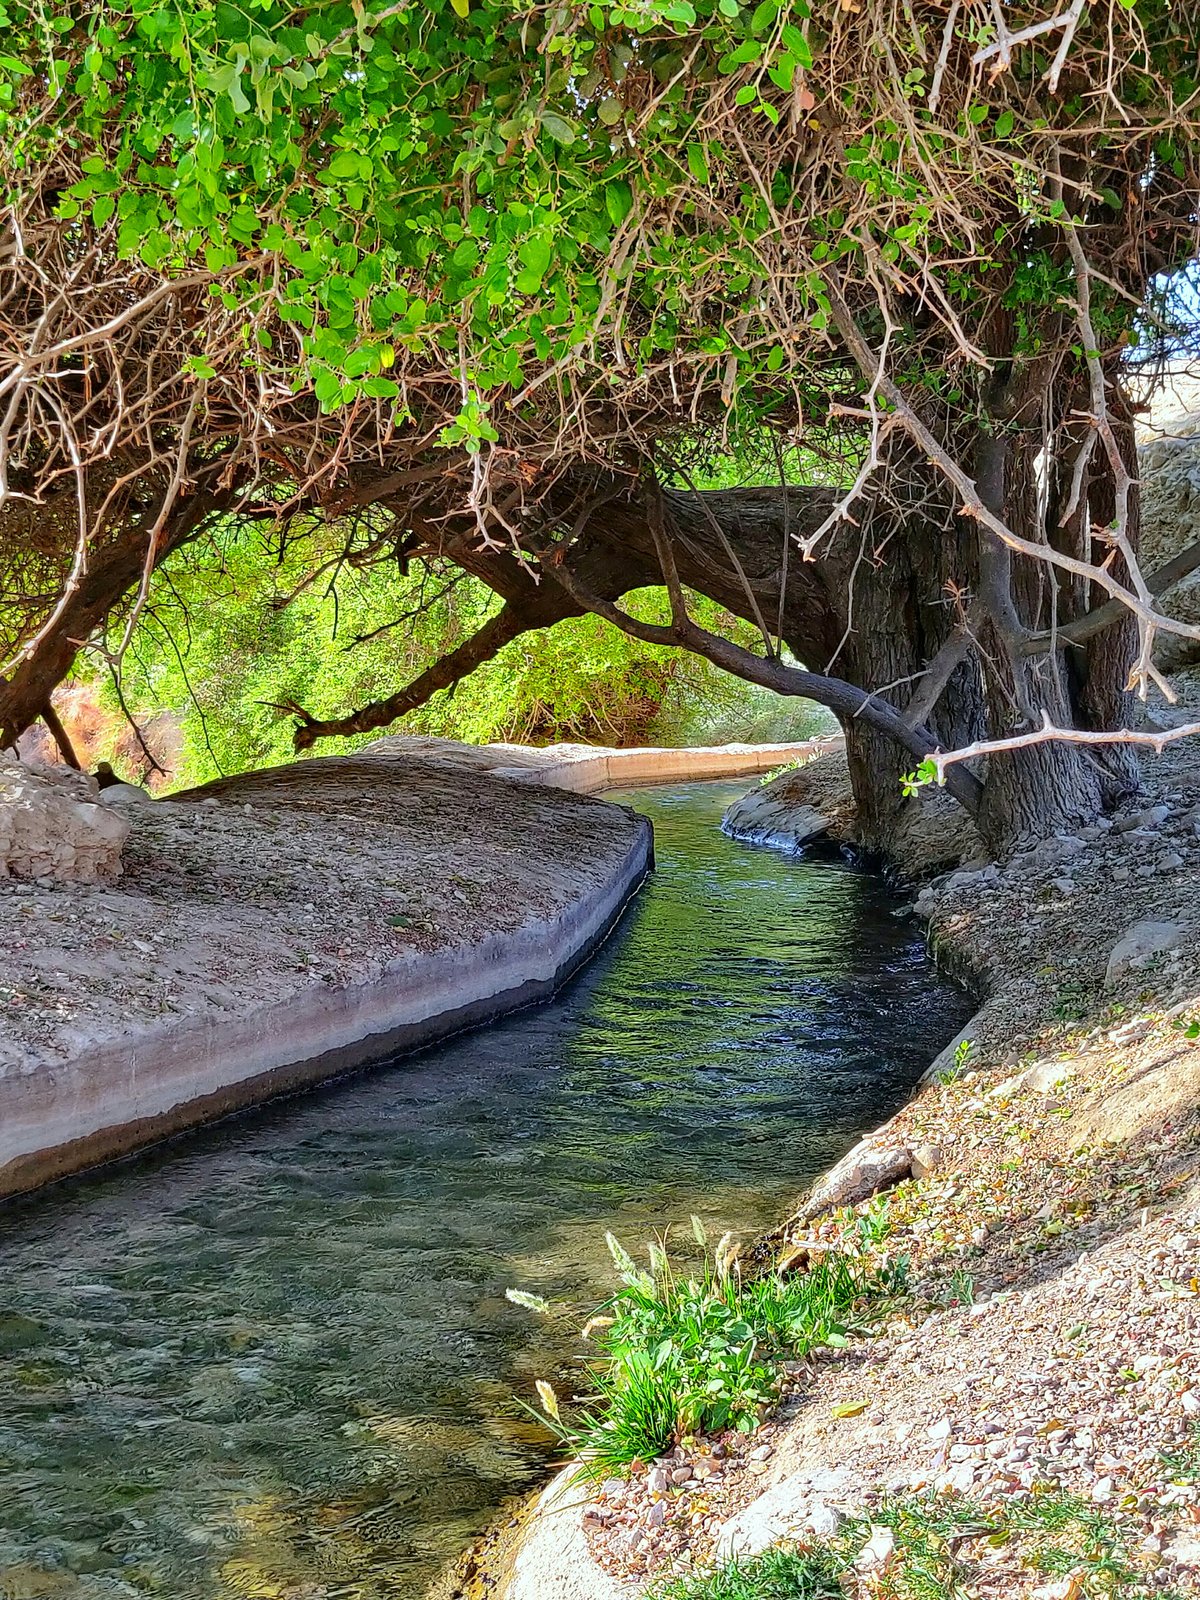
x: 764, y: 16
x: 796, y: 44
x: 327, y: 387
x: 611, y: 111
x: 697, y: 164
x: 618, y: 201
x: 1004, y: 124
x: 559, y: 129
x: 849, y: 1408
x: 344, y: 165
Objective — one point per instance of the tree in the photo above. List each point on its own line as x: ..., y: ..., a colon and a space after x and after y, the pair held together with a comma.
x: 518, y: 275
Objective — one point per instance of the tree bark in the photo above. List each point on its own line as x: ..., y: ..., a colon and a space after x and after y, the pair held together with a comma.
x: 114, y: 570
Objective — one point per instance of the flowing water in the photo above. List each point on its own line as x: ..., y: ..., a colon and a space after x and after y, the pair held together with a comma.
x: 275, y: 1359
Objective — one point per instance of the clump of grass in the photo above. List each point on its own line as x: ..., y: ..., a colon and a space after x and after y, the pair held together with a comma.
x: 702, y: 1351
x: 1183, y: 1463
x: 775, y: 1575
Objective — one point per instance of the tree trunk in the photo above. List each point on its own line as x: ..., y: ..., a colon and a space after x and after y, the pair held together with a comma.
x: 113, y: 571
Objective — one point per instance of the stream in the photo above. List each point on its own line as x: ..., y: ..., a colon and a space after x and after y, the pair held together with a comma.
x: 274, y: 1360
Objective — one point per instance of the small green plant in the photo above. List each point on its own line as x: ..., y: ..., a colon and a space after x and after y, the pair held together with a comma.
x: 958, y: 1061
x: 960, y: 1291
x: 701, y: 1351
x: 911, y: 783
x: 1189, y: 1027
x: 774, y: 1575
x: 778, y: 772
x: 1070, y: 1001
x: 874, y: 1223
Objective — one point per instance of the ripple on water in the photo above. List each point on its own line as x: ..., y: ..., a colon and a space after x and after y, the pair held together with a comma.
x: 275, y: 1359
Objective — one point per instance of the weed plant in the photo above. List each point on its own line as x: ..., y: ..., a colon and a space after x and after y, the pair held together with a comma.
x: 696, y: 1352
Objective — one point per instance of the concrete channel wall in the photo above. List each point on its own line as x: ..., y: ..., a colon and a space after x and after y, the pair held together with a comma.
x: 108, y: 1102
x: 584, y: 770
x: 99, y: 1096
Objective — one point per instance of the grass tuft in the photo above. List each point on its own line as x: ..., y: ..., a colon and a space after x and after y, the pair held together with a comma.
x: 701, y: 1352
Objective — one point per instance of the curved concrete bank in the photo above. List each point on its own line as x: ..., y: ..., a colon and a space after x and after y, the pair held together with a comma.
x: 590, y: 769
x: 247, y: 1015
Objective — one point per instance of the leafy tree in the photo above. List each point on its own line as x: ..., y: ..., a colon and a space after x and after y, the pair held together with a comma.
x: 514, y: 276
x: 227, y: 634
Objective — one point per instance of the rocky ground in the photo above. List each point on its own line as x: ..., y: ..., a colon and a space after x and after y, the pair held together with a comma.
x: 254, y: 888
x: 1049, y: 1205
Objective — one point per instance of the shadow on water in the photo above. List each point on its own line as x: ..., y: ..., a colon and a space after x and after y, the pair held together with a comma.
x: 275, y: 1359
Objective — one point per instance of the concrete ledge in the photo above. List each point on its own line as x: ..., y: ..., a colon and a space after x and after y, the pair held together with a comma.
x: 585, y: 771
x: 62, y: 1118
x: 590, y: 769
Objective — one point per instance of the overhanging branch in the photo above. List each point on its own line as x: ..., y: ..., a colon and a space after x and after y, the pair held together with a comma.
x: 841, y: 697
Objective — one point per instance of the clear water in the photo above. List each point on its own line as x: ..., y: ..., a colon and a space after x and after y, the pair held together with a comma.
x: 275, y: 1359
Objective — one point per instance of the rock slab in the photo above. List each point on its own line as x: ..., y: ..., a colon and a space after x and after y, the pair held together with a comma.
x: 1139, y: 945
x: 52, y: 826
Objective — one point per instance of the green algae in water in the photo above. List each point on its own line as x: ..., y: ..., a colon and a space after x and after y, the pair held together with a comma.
x: 275, y: 1360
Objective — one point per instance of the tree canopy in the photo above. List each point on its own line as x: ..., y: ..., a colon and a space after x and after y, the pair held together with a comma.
x: 491, y: 282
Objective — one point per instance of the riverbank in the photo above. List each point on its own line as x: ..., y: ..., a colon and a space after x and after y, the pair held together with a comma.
x: 283, y: 927
x: 1045, y: 1189
x: 276, y: 929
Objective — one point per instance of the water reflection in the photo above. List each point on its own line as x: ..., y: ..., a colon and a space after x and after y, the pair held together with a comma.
x: 275, y: 1359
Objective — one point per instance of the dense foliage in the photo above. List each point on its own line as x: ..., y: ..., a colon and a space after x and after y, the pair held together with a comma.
x: 492, y: 269
x: 230, y: 633
x: 539, y: 225
x: 685, y: 1351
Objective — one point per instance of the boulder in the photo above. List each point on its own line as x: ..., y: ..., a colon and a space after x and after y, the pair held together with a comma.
x: 866, y: 1170
x: 52, y: 826
x: 1139, y: 945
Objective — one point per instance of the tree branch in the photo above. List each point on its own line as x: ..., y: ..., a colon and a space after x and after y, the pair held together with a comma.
x: 508, y: 624
x: 945, y: 762
x: 972, y: 504
x: 839, y: 696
